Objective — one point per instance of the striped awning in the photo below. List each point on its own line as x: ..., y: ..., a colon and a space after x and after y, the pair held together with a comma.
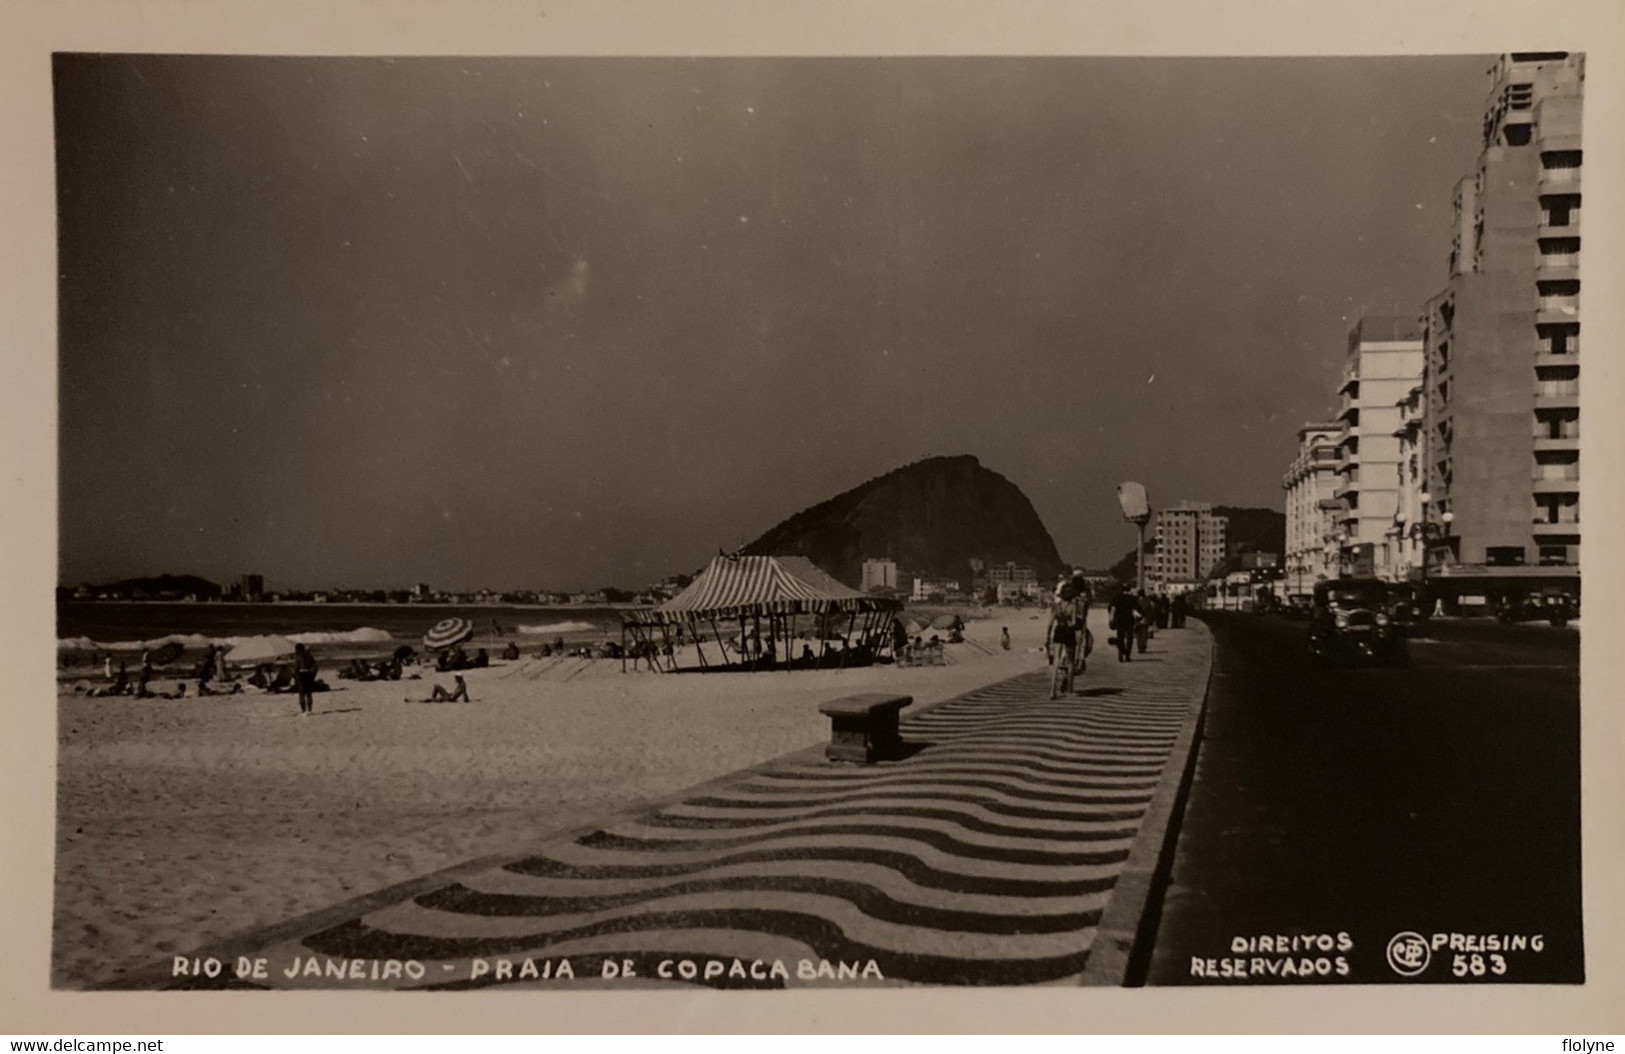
x: 760, y: 585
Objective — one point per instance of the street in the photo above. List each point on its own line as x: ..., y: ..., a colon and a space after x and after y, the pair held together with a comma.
x: 1344, y: 807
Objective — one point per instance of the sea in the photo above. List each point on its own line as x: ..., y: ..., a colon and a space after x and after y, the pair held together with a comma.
x: 93, y: 626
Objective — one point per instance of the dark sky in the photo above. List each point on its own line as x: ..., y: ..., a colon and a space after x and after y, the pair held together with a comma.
x: 570, y: 322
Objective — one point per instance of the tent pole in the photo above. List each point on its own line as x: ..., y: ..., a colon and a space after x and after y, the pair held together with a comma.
x: 623, y: 647
x: 846, y: 641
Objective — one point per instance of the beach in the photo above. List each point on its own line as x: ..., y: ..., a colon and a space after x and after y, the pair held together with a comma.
x: 181, y: 822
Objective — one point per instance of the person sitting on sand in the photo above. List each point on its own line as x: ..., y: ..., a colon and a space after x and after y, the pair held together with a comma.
x: 441, y: 695
x: 511, y: 652
x: 481, y: 660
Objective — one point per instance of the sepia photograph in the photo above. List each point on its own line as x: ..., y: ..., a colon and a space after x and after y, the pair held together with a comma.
x: 781, y: 522
x: 934, y: 517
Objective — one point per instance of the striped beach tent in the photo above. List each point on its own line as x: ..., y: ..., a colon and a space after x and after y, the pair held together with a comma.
x: 761, y: 585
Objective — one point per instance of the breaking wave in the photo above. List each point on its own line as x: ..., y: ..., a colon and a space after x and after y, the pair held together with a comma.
x: 364, y: 635
x: 559, y: 627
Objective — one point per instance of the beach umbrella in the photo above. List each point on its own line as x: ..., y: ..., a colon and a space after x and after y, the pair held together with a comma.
x: 448, y: 632
x: 256, y: 650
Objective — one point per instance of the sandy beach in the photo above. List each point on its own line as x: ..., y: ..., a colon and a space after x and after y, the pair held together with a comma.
x: 181, y: 822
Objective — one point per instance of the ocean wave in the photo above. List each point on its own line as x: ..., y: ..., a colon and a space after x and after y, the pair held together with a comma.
x: 559, y: 627
x: 364, y: 635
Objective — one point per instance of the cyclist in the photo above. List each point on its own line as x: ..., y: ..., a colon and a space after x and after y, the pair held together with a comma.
x: 1061, y: 637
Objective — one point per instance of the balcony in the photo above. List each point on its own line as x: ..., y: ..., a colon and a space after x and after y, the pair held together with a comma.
x: 1550, y: 485
x: 1548, y: 359
x: 1570, y: 228
x: 1560, y: 180
x: 1542, y: 529
x: 1559, y: 267
x: 1544, y: 442
x: 1350, y: 383
x: 1557, y: 395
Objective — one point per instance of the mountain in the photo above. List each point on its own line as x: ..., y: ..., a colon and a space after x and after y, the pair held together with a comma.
x: 932, y: 517
x: 1253, y: 530
x: 162, y: 586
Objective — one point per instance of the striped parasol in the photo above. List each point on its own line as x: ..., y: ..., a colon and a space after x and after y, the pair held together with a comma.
x: 447, y: 632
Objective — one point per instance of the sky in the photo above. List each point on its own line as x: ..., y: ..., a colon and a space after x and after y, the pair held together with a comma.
x: 562, y: 323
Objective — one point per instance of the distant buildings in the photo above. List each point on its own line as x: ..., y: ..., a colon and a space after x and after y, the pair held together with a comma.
x: 1500, y: 447
x: 1309, y: 483
x: 879, y: 574
x: 1384, y: 364
x: 1190, y: 540
x: 251, y: 587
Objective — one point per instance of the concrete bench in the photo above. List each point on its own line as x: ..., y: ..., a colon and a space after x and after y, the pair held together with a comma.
x: 863, y: 728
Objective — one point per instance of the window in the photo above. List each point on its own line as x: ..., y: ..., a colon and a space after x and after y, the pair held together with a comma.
x: 1554, y: 555
x: 1504, y: 556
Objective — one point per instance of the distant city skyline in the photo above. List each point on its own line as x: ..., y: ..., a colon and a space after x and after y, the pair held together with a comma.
x: 568, y: 323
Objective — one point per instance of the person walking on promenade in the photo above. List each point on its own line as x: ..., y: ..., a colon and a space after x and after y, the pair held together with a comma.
x: 1164, y: 612
x: 1179, y: 606
x: 1147, y: 617
x: 1124, y: 610
x: 1004, y: 637
x: 304, y: 675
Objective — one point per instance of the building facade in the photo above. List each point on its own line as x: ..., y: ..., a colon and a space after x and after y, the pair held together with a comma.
x: 1309, y: 484
x: 879, y: 574
x: 1190, y: 539
x: 1384, y: 363
x: 1502, y: 399
x: 1405, y: 544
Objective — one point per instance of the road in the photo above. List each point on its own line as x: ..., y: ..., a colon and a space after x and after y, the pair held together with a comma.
x: 1358, y: 804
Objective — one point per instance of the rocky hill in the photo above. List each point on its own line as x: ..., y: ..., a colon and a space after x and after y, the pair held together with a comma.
x: 932, y: 517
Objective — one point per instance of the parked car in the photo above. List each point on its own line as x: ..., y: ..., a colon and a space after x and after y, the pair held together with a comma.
x: 1407, y: 608
x: 1552, y: 605
x: 1349, y: 623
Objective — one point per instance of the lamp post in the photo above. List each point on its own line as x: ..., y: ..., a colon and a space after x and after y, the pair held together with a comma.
x: 1136, y: 510
x: 1428, y: 532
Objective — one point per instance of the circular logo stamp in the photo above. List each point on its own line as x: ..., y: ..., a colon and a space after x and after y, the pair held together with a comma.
x: 1408, y: 953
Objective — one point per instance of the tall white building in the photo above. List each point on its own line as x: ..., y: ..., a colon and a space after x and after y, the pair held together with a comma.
x: 1190, y: 539
x: 1385, y: 362
x: 879, y: 574
x: 1309, y: 484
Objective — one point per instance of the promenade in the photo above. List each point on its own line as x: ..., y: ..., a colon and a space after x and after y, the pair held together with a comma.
x: 1016, y: 837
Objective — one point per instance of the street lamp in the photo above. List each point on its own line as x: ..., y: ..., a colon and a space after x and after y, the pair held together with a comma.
x: 1137, y: 510
x: 1429, y: 532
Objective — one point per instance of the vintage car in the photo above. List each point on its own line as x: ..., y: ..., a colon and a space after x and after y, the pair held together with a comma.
x: 1349, y: 623
x: 1407, y: 607
x: 1553, y: 605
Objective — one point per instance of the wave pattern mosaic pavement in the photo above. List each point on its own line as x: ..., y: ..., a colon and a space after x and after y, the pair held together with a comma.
x: 986, y: 857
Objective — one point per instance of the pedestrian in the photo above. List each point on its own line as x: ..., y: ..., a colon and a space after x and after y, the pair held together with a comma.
x: 304, y: 674
x: 1164, y: 612
x: 1147, y: 613
x: 141, y: 691
x: 1179, y: 606
x: 1004, y: 637
x: 1124, y: 609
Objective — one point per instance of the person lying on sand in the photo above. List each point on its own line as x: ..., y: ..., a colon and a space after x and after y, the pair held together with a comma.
x: 441, y: 695
x: 204, y: 689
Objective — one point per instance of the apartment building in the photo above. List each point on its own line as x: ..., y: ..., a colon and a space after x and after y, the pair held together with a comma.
x: 1309, y: 483
x: 1501, y: 407
x: 1383, y: 365
x: 1190, y: 540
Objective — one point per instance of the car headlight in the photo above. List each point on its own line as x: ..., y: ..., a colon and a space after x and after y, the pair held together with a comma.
x: 1342, y: 619
x: 1382, y: 620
